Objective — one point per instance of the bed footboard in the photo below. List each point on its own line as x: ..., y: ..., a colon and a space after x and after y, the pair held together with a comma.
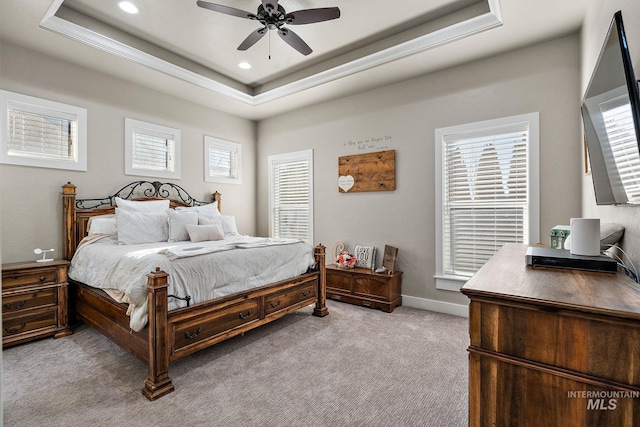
x: 178, y: 333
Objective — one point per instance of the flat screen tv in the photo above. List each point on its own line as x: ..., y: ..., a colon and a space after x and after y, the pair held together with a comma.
x: 611, y: 116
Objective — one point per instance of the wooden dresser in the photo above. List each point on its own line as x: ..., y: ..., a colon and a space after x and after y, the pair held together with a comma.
x: 363, y: 287
x: 34, y: 301
x: 552, y: 347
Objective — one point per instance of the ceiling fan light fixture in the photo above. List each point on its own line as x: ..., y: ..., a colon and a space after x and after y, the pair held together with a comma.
x: 244, y: 65
x: 128, y: 7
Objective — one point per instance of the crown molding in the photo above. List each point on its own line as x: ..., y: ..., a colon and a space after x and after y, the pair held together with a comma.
x: 469, y: 27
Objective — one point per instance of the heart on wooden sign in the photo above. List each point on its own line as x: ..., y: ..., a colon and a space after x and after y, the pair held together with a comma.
x: 345, y: 182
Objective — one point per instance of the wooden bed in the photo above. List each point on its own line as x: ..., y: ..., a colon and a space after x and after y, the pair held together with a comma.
x: 173, y: 334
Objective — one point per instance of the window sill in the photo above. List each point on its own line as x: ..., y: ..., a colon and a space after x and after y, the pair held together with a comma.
x: 450, y: 283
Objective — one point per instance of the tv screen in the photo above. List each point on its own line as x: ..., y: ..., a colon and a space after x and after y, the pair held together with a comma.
x: 611, y: 116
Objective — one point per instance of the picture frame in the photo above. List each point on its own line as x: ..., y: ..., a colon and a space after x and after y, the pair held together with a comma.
x: 389, y: 258
x: 365, y: 256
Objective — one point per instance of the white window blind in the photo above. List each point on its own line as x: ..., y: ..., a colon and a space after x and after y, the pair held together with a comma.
x: 42, y: 133
x: 619, y: 126
x: 291, y: 195
x: 222, y: 160
x: 151, y: 150
x: 485, y: 193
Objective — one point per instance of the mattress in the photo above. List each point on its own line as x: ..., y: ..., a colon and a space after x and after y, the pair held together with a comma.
x: 203, y: 270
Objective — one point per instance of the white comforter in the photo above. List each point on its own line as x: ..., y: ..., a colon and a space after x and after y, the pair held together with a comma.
x: 203, y: 270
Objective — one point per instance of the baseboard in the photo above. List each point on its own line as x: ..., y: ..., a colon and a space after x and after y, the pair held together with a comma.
x: 434, y: 305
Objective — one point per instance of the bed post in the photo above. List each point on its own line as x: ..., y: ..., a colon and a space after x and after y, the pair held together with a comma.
x: 158, y: 383
x: 69, y: 220
x: 321, y: 305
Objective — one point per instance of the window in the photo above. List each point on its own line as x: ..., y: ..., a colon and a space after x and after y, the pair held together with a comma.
x: 222, y: 161
x: 618, y: 124
x: 151, y: 150
x: 291, y: 195
x: 486, y: 191
x: 41, y: 133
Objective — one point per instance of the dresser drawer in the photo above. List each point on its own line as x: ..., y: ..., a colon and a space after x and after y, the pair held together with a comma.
x: 284, y: 299
x: 211, y: 325
x: 28, y: 300
x: 23, y: 278
x: 17, y: 326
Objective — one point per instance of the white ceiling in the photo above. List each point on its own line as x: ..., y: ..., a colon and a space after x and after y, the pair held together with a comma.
x: 179, y: 48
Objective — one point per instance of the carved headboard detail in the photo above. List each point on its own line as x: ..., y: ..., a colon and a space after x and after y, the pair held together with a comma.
x: 76, y: 212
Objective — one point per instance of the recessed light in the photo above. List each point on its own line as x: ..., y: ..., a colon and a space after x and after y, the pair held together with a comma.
x: 244, y: 65
x: 128, y: 7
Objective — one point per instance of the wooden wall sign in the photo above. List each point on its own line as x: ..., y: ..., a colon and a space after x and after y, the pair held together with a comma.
x: 367, y: 172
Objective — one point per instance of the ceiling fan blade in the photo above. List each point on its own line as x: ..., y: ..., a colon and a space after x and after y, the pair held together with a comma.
x: 294, y: 41
x: 309, y: 16
x: 270, y: 6
x: 226, y: 9
x: 253, y: 38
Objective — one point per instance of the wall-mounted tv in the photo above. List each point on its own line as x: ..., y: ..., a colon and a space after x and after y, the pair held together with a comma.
x: 611, y: 116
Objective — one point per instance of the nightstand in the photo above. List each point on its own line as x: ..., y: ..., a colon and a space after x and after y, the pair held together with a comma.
x: 34, y: 301
x: 363, y: 287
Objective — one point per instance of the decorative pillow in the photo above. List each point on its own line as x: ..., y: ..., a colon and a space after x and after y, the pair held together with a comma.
x: 210, y: 209
x: 149, y: 206
x: 228, y: 223
x: 102, y: 224
x: 178, y: 221
x: 201, y: 233
x: 141, y: 227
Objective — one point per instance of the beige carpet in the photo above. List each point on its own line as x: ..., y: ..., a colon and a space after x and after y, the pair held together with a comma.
x: 355, y: 367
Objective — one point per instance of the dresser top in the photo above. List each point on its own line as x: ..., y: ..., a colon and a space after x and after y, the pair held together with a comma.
x: 33, y: 264
x: 506, y: 276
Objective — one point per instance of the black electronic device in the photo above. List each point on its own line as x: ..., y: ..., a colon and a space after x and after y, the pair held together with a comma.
x: 538, y: 256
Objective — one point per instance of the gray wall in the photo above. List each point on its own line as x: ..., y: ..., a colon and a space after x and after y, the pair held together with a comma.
x: 596, y: 24
x: 403, y: 117
x: 31, y: 208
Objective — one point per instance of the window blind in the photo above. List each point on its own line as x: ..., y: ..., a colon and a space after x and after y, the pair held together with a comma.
x: 291, y: 200
x: 485, y: 195
x: 619, y: 126
x: 34, y: 134
x: 223, y: 163
x: 153, y: 151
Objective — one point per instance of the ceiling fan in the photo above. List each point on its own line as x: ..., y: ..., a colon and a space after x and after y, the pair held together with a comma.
x: 272, y: 16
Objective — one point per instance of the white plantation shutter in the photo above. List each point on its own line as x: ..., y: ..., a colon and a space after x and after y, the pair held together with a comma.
x: 151, y: 149
x: 291, y: 195
x: 485, y: 193
x: 222, y: 160
x: 619, y: 126
x: 42, y: 135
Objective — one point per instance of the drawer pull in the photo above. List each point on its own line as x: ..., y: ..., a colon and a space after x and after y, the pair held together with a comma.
x: 336, y: 297
x: 245, y: 316
x: 276, y: 305
x: 306, y: 292
x: 14, y: 330
x: 192, y: 336
x: 42, y: 278
x: 15, y: 307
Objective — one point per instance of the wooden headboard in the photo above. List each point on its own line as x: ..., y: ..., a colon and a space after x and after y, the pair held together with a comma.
x: 76, y: 212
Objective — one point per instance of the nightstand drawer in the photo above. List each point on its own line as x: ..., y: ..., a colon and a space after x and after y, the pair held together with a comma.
x: 20, y: 278
x: 21, y: 325
x: 28, y: 300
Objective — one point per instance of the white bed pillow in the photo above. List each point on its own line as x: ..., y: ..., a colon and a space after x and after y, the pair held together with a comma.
x: 210, y: 209
x: 178, y: 221
x: 149, y: 206
x: 201, y: 233
x: 102, y: 224
x: 141, y: 227
x: 228, y: 223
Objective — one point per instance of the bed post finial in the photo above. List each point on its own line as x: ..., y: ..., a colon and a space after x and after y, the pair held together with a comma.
x: 217, y: 197
x: 69, y: 220
x: 321, y: 304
